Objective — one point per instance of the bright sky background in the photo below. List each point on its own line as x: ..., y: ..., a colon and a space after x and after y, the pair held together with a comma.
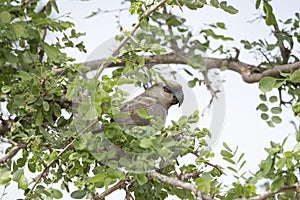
x: 242, y: 126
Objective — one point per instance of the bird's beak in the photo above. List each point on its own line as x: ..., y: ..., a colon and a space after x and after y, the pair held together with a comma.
x: 179, y: 96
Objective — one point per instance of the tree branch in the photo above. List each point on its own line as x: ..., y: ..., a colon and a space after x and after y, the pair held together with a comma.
x: 285, y: 52
x: 120, y: 185
x: 178, y: 183
x: 268, y: 194
x: 12, y: 152
x: 250, y: 73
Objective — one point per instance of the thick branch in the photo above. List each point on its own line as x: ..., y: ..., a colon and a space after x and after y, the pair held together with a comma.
x: 178, y: 183
x: 189, y: 175
x: 120, y: 185
x: 12, y: 152
x: 250, y: 73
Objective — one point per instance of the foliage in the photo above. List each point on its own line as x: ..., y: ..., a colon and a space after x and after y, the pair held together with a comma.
x: 39, y: 83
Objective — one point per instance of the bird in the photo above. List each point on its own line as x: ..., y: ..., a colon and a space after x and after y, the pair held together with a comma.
x: 155, y: 100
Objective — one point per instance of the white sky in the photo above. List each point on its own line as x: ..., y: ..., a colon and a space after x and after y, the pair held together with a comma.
x: 243, y: 126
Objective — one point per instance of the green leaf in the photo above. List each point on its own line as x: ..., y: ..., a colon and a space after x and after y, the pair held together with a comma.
x: 143, y: 113
x: 141, y: 179
x: 78, y: 194
x: 276, y: 119
x: 25, y: 76
x: 17, y: 29
x: 229, y: 9
x: 268, y: 163
x: 229, y: 160
x: 264, y: 116
x: 23, y: 182
x: 276, y: 110
x: 221, y: 25
x: 226, y: 146
x: 56, y: 194
x: 17, y: 174
x: 54, y: 5
x: 56, y: 110
x: 52, y: 52
x: 46, y: 106
x: 241, y: 157
x: 122, y: 81
x: 204, y: 183
x: 270, y: 123
x: 125, y: 162
x: 74, y: 156
x: 192, y: 83
x: 295, y: 77
x: 266, y: 84
x: 98, y: 178
x: 79, y: 145
x: 39, y: 118
x: 280, y: 163
x: 112, y: 164
x: 5, y: 17
x: 214, y: 3
x: 226, y: 153
x: 288, y: 154
x: 257, y: 4
x: 11, y: 58
x: 273, y: 99
x: 298, y: 135
x: 144, y: 24
x: 5, y: 89
x: 146, y: 143
x: 242, y: 165
x: 277, y: 184
x: 270, y: 17
x: 4, y: 176
x: 21, y: 162
x: 232, y: 169
x: 263, y: 107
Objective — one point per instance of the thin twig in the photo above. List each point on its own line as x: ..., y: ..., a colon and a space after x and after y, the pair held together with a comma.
x: 12, y: 152
x: 285, y: 52
x: 123, y: 42
x: 4, y: 192
x: 173, y: 41
x: 217, y: 167
x: 100, y: 11
x: 244, y: 69
x: 266, y: 57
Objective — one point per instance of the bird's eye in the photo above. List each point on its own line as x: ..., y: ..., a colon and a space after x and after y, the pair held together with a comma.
x: 167, y: 89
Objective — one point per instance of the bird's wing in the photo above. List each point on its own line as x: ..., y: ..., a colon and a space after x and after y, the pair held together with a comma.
x: 149, y: 103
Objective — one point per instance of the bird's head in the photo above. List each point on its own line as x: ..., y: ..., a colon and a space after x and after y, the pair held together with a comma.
x: 174, y: 88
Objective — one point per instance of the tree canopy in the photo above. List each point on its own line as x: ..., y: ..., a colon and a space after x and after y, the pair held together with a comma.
x: 50, y: 105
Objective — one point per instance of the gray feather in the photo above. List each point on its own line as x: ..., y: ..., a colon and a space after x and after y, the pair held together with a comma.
x: 155, y: 101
